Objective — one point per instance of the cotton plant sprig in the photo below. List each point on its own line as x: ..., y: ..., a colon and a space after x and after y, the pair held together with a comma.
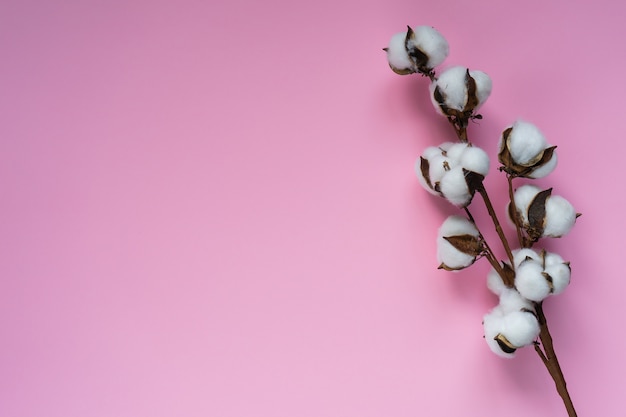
x: 455, y: 171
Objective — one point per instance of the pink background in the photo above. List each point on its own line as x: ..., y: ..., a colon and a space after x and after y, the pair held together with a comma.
x: 209, y: 209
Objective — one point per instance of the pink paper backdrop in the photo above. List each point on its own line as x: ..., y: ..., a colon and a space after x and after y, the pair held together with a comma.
x: 209, y: 209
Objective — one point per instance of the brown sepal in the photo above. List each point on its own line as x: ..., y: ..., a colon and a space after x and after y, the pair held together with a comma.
x: 472, y: 98
x: 448, y: 268
x: 419, y: 58
x: 537, y: 214
x: 505, y: 345
x: 468, y: 244
x: 474, y: 180
x: 425, y: 170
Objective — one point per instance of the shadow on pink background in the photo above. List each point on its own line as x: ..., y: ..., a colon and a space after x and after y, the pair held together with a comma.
x: 209, y: 209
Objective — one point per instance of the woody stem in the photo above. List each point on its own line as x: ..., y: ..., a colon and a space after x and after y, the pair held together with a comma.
x: 549, y: 359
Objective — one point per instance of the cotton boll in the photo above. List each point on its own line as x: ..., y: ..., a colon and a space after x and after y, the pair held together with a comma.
x: 495, y: 283
x: 439, y: 166
x: 476, y: 160
x: 560, y: 275
x: 526, y: 143
x: 449, y: 255
x: 433, y: 151
x: 520, y: 328
x: 551, y: 259
x: 530, y: 281
x: 511, y: 300
x: 455, y: 152
x: 454, y: 187
x: 523, y: 196
x: 521, y: 255
x: 483, y: 86
x: 397, y: 55
x: 457, y: 225
x: 428, y: 40
x: 545, y: 169
x: 560, y: 217
x: 452, y: 85
x: 493, y: 323
x: 451, y: 258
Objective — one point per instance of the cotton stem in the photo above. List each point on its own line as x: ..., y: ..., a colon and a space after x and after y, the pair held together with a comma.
x: 549, y: 359
x: 492, y: 213
x: 515, y: 215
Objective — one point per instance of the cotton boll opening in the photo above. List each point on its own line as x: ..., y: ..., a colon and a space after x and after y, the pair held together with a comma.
x: 476, y: 160
x: 520, y: 328
x: 451, y: 258
x: 531, y: 283
x: 546, y: 168
x: 433, y: 151
x: 454, y: 187
x: 560, y: 217
x: 457, y: 225
x: 493, y: 324
x: 483, y: 86
x: 521, y: 255
x: 448, y: 255
x: 560, y: 275
x: 397, y: 55
x: 439, y: 166
x: 526, y: 143
x: 495, y: 283
x: 551, y: 259
x: 511, y: 300
x: 432, y: 43
x: 455, y: 152
x: 452, y: 85
x: 523, y: 196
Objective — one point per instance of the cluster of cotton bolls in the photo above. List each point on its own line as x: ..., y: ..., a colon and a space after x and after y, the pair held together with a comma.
x: 453, y: 171
x: 513, y: 323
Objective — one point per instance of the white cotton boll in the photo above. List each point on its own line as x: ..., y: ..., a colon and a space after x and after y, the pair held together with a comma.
x: 439, y: 166
x: 455, y: 152
x: 523, y: 196
x: 520, y: 328
x: 476, y: 160
x: 546, y: 168
x: 493, y: 323
x: 495, y: 283
x: 483, y: 86
x: 520, y: 255
x: 432, y: 43
x: 530, y: 282
x: 433, y: 151
x: 526, y: 143
x: 447, y: 254
x: 451, y: 257
x: 560, y: 275
x: 456, y: 226
x: 551, y: 259
x: 397, y: 55
x: 451, y: 82
x: 512, y: 300
x: 454, y: 187
x: 560, y: 217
